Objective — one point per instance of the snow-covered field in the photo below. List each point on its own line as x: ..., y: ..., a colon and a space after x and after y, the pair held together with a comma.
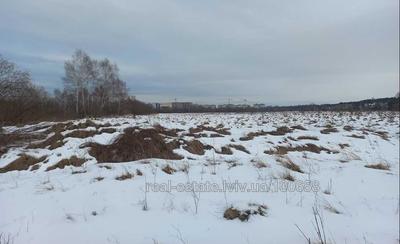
x: 302, y: 172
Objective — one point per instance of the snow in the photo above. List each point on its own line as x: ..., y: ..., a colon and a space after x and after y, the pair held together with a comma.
x: 60, y: 207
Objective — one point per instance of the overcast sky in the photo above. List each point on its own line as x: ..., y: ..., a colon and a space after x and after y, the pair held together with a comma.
x: 209, y: 51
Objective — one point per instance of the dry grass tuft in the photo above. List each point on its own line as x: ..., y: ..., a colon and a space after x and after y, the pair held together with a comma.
x: 169, y: 170
x: 287, y: 176
x: 124, y: 176
x: 289, y: 164
x: 380, y: 166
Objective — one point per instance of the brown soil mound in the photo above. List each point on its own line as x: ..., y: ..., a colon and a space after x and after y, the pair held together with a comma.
x: 239, y: 147
x: 309, y: 147
x: 380, y: 166
x: 298, y: 127
x: 281, y: 131
x: 135, y: 145
x: 169, y: 170
x: 52, y: 142
x: 125, y: 176
x: 329, y: 130
x: 348, y: 128
x: 244, y: 215
x: 251, y: 135
x: 357, y: 136
x: 225, y: 150
x: 108, y: 130
x: 219, y: 129
x: 314, y: 138
x: 72, y: 161
x: 167, y: 132
x: 82, y: 133
x: 21, y: 163
x: 195, y: 147
x: 17, y: 139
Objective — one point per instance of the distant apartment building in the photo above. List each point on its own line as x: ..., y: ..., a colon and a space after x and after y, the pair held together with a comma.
x: 173, y: 106
x: 259, y: 105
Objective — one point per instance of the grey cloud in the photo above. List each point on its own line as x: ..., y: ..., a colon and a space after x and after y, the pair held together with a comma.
x: 208, y: 51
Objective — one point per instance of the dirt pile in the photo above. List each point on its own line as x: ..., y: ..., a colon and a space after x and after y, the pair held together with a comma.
x: 72, y: 161
x: 239, y: 147
x: 22, y: 163
x: 195, y: 147
x: 244, y: 215
x: 134, y: 145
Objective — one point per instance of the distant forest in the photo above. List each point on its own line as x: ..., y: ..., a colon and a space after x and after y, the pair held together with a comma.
x: 90, y: 88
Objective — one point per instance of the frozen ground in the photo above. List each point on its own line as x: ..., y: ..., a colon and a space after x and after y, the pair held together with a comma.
x: 309, y: 176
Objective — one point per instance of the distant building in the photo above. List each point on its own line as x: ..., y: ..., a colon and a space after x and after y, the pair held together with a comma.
x: 259, y: 105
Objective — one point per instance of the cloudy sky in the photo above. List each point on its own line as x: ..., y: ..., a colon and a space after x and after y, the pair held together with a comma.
x: 210, y: 51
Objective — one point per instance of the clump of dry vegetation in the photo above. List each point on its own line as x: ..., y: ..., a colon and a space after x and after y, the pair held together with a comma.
x: 380, y: 166
x: 168, y: 169
x: 125, y: 176
x: 289, y: 164
x: 309, y: 147
x: 357, y: 136
x: 287, y: 176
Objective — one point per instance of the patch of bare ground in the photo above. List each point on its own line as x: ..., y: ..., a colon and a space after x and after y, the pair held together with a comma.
x: 250, y: 136
x: 134, y: 145
x: 53, y: 142
x: 82, y: 133
x: 383, y: 134
x: 259, y: 164
x: 22, y: 163
x: 239, y: 147
x: 343, y: 145
x: 357, y: 136
x: 124, y: 176
x: 298, y: 127
x: 309, y: 147
x: 348, y: 128
x: 108, y: 130
x: 167, y: 132
x: 244, y: 215
x: 232, y: 163
x: 72, y: 161
x: 280, y: 131
x: 218, y: 129
x: 380, y: 166
x: 168, y: 170
x: 329, y: 130
x: 287, y: 176
x: 225, y: 150
x: 8, y: 140
x: 313, y: 138
x: 99, y: 178
x: 289, y: 164
x: 194, y: 147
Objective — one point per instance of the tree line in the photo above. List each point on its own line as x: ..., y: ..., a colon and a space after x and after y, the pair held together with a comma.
x: 90, y: 88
